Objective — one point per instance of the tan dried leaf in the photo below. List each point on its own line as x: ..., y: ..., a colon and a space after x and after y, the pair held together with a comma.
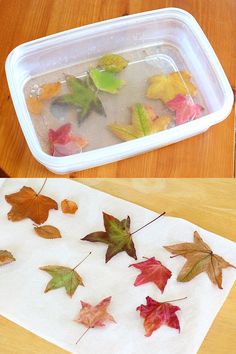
x: 47, y: 231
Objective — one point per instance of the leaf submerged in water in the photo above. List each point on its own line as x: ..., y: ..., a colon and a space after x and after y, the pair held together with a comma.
x: 106, y: 81
x: 112, y: 62
x: 82, y: 96
x: 144, y: 122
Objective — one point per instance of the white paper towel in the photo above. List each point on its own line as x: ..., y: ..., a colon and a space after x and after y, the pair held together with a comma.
x: 51, y: 315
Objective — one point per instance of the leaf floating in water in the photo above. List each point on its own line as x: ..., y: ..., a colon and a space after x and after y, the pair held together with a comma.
x: 113, y: 62
x: 166, y: 87
x: 185, y: 108
x: 106, y: 81
x: 6, y: 257
x: 144, y: 122
x: 63, y: 142
x: 81, y: 96
x: 35, y: 105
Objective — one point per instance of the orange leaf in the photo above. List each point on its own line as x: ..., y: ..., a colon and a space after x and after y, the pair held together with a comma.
x: 50, y: 90
x: 28, y: 204
x: 34, y: 105
x: 68, y: 206
x: 6, y: 257
x: 47, y: 231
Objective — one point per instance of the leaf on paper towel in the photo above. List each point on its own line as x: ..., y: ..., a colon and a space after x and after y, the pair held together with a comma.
x: 62, y: 277
x: 166, y: 87
x: 106, y: 81
x: 6, y: 257
x: 95, y: 316
x: 63, y: 142
x: 157, y: 314
x: 117, y: 236
x: 47, y: 231
x: 82, y: 96
x: 185, y: 108
x: 28, y: 204
x: 113, y: 62
x: 200, y: 258
x: 144, y: 122
x: 68, y: 206
x: 152, y: 271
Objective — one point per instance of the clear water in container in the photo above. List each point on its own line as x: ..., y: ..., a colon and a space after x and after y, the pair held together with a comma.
x: 144, y: 63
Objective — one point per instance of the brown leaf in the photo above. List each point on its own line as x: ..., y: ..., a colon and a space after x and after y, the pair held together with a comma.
x: 6, y: 257
x: 200, y: 258
x: 68, y: 206
x: 47, y: 231
x: 28, y: 204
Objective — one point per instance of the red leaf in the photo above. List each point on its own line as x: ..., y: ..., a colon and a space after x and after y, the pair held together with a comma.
x: 185, y: 108
x: 152, y: 271
x: 156, y: 314
x: 63, y: 143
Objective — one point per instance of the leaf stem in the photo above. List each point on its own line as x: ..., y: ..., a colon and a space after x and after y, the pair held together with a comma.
x: 42, y: 186
x: 148, y: 223
x: 82, y: 260
x: 82, y: 335
x: 182, y: 298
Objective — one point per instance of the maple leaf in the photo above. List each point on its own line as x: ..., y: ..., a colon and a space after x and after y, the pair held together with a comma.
x: 156, y: 314
x: 112, y: 62
x: 152, y: 271
x: 95, y: 316
x: 62, y: 277
x: 200, y: 258
x: 106, y: 81
x: 185, y: 108
x: 166, y: 87
x: 81, y: 96
x: 63, y: 142
x: 144, y: 122
x: 47, y: 231
x: 6, y: 257
x: 117, y: 236
x: 68, y: 206
x: 28, y: 204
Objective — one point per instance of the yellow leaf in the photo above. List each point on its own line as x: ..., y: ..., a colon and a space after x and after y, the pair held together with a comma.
x: 167, y: 87
x: 50, y: 90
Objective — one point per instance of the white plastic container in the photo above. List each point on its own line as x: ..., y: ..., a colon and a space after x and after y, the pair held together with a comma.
x: 171, y: 26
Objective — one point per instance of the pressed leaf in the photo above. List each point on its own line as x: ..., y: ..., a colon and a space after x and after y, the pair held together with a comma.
x: 185, y: 108
x: 82, y: 96
x: 167, y: 87
x: 50, y: 90
x: 106, y: 81
x: 144, y: 122
x: 157, y: 314
x: 152, y: 271
x: 34, y: 104
x: 28, y: 204
x: 63, y: 142
x: 62, y: 277
x: 68, y: 206
x: 95, y: 316
x: 112, y: 62
x: 47, y: 231
x: 117, y: 236
x: 200, y: 258
x: 6, y: 257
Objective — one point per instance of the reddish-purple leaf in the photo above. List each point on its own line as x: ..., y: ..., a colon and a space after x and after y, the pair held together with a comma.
x: 152, y: 271
x: 185, y: 108
x: 157, y: 314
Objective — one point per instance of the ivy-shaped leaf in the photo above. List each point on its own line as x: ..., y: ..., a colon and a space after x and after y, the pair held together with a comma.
x: 106, y: 81
x: 144, y: 122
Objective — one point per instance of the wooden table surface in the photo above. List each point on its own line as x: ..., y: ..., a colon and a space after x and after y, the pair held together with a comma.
x: 208, y: 203
x: 209, y: 155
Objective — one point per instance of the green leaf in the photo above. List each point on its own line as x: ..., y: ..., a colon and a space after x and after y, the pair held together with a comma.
x: 106, y: 81
x: 144, y: 122
x: 62, y: 277
x: 117, y: 236
x: 112, y: 62
x: 82, y: 95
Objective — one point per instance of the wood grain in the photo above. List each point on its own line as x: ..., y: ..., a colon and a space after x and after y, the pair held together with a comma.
x: 209, y: 155
x: 208, y: 203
